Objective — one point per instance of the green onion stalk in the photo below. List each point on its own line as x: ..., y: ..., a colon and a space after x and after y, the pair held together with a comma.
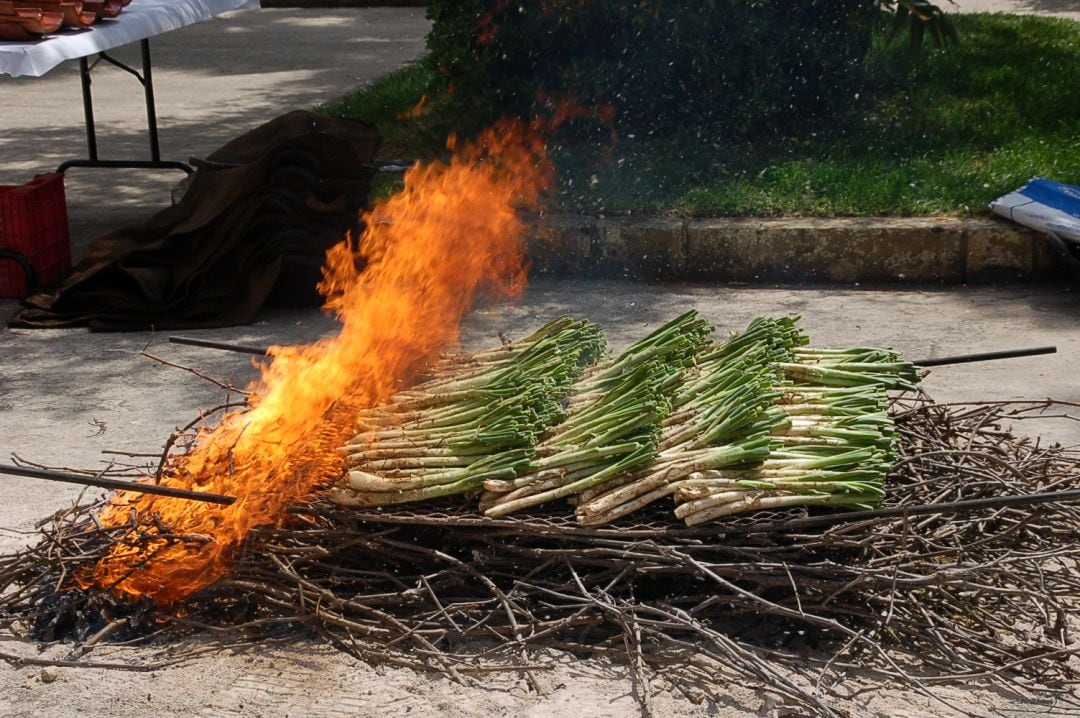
x: 676, y: 344
x: 759, y: 421
x: 834, y: 449
x: 613, y: 424
x: 476, y: 417
x: 722, y: 416
x: 852, y: 367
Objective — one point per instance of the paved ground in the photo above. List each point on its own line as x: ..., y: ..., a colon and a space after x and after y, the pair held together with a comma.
x: 1060, y: 8
x: 215, y: 80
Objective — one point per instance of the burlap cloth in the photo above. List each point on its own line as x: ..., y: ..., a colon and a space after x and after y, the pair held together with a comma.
x: 252, y: 228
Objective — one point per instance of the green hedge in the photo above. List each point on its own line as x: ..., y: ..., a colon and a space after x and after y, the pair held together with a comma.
x: 727, y: 64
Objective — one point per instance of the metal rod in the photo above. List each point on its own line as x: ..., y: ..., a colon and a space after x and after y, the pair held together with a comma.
x: 115, y: 484
x: 240, y: 348
x: 88, y: 110
x: 147, y: 80
x: 940, y: 361
x: 127, y: 164
x: 954, y: 507
x: 985, y: 356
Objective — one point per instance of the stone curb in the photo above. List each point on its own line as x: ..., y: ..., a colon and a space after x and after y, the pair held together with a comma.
x: 795, y: 250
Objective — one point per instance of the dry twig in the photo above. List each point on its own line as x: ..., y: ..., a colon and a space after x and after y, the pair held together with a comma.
x: 985, y: 596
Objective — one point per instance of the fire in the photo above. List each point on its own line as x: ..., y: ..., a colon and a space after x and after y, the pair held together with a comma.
x: 452, y: 234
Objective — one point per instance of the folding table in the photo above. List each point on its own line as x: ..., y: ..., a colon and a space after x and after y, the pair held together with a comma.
x: 140, y: 21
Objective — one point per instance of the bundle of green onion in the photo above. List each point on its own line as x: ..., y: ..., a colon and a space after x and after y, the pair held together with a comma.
x: 476, y: 417
x: 815, y: 459
x: 834, y: 447
x: 851, y: 367
x: 724, y: 412
x: 613, y: 421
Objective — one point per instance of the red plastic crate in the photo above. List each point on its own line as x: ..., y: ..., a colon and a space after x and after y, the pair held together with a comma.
x: 34, y: 223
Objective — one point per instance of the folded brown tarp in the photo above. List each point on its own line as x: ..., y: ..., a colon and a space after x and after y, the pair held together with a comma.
x: 253, y: 226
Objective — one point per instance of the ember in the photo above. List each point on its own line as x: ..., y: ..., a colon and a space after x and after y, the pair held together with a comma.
x: 427, y: 253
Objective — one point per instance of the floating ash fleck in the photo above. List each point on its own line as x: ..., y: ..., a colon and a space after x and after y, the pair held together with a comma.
x: 451, y: 236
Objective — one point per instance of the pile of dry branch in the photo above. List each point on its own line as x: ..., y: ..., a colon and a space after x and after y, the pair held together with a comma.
x: 980, y: 596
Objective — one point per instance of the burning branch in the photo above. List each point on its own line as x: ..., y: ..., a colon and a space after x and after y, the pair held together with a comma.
x: 451, y: 235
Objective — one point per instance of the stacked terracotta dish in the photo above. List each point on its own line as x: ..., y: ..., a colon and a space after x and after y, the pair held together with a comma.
x: 30, y: 19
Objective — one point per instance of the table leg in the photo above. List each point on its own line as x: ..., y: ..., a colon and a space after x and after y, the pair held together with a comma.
x: 88, y: 109
x: 151, y: 111
x: 147, y: 80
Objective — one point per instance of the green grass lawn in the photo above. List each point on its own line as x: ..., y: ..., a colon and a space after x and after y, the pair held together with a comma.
x: 941, y: 133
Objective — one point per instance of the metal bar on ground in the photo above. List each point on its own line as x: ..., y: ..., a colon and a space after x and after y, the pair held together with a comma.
x: 115, y: 484
x: 940, y: 361
x: 239, y: 348
x: 985, y: 356
x: 953, y: 507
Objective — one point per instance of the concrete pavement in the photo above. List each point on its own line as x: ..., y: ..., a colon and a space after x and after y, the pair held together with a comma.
x: 1069, y: 9
x: 219, y: 78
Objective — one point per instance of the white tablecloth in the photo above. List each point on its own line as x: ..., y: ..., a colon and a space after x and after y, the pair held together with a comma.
x: 139, y: 20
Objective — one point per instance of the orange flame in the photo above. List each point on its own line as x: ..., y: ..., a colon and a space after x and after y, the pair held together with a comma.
x: 450, y: 235
x: 416, y: 110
